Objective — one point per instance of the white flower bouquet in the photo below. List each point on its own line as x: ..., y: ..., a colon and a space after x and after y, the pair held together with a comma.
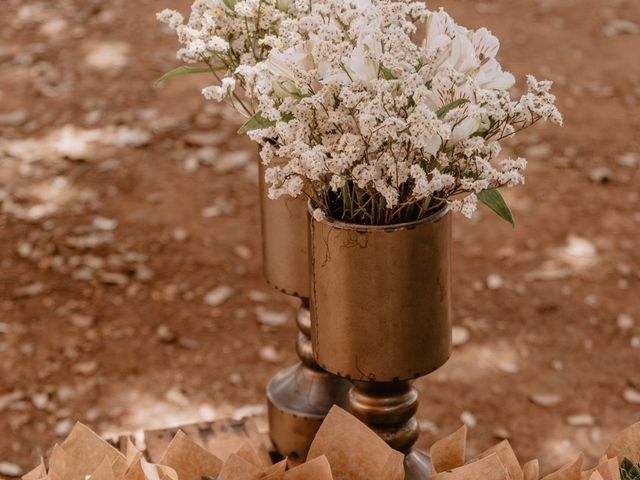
x: 374, y: 123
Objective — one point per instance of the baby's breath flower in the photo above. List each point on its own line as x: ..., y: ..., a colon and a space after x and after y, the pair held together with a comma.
x: 352, y: 112
x: 172, y: 18
x: 319, y: 215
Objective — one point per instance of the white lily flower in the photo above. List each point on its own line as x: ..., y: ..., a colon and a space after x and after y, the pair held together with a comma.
x: 432, y: 145
x: 463, y: 56
x: 464, y: 130
x: 440, y: 30
x: 491, y: 76
x: 359, y: 66
x: 282, y: 66
x: 485, y: 44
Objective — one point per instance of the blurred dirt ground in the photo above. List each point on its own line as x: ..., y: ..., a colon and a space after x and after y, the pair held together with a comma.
x: 123, y: 207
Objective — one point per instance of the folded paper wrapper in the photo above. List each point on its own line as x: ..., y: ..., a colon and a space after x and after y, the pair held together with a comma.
x: 344, y: 448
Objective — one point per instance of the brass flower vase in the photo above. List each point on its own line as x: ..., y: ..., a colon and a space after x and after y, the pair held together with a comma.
x: 299, y: 397
x: 381, y: 317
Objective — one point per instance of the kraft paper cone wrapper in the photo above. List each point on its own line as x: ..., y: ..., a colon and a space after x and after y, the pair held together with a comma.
x: 626, y: 444
x: 104, y: 471
x: 316, y: 469
x: 57, y: 463
x: 275, y: 472
x: 135, y: 472
x: 354, y: 451
x: 449, y: 452
x: 157, y: 472
x: 223, y: 443
x: 237, y: 468
x: 531, y: 470
x: 190, y: 460
x: 81, y: 454
x: 571, y: 471
x: 247, y: 452
x: 131, y: 452
x: 608, y: 469
x: 38, y: 473
x: 508, y: 458
x: 488, y: 468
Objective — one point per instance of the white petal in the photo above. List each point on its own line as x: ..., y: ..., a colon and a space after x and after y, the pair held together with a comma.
x: 464, y: 130
x: 463, y: 55
x: 492, y: 77
x: 432, y: 145
x: 485, y: 44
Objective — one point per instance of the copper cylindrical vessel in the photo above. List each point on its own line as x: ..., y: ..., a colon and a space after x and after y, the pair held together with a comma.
x: 285, y: 242
x: 381, y: 298
x: 298, y: 397
x: 381, y: 316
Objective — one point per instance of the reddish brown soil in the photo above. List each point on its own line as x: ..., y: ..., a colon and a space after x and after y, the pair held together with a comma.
x: 148, y: 352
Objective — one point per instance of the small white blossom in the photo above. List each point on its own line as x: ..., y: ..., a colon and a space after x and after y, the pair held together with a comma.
x: 172, y: 18
x: 319, y: 215
x: 352, y: 112
x: 218, y: 93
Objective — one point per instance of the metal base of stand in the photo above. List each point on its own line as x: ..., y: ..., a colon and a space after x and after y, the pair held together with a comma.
x: 389, y: 409
x: 417, y: 465
x: 299, y: 398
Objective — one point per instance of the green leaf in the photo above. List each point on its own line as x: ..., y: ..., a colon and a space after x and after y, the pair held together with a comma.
x: 230, y: 4
x: 179, y: 71
x: 629, y: 471
x: 254, y: 123
x: 387, y: 73
x: 492, y: 198
x: 258, y: 121
x: 627, y: 464
x: 184, y: 70
x: 447, y: 108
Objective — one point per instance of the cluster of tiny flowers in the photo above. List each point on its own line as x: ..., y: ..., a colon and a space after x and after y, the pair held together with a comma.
x: 230, y: 37
x: 355, y: 113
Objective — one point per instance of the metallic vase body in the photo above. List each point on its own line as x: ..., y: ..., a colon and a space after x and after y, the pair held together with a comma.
x: 285, y: 242
x: 299, y: 397
x: 381, y: 316
x: 381, y: 298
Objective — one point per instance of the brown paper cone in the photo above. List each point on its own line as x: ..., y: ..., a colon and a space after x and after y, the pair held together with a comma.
x: 316, y: 469
x: 449, y: 452
x: 38, y: 473
x: 131, y: 452
x: 489, y: 468
x: 135, y: 472
x: 190, y: 460
x: 354, y: 451
x: 237, y: 468
x: 274, y: 472
x: 626, y: 444
x: 508, y: 458
x: 226, y: 437
x: 58, y: 462
x: 531, y: 470
x: 247, y: 452
x: 596, y: 476
x: 104, y: 471
x: 81, y: 454
x: 609, y: 469
x: 570, y: 471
